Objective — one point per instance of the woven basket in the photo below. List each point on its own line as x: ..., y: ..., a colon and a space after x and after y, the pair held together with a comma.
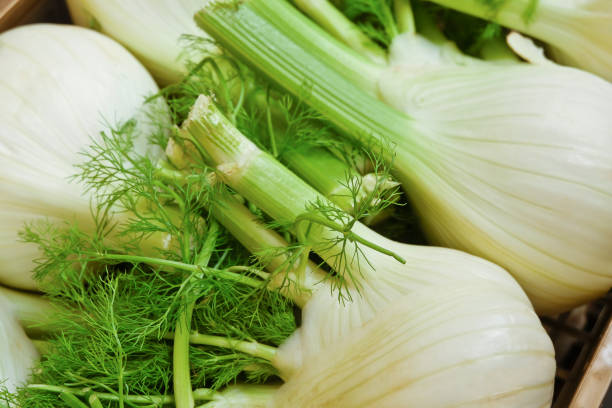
x: 583, y: 345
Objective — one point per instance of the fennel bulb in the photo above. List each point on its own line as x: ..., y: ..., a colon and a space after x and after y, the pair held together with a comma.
x: 579, y: 31
x: 35, y: 313
x: 150, y: 29
x: 511, y: 162
x: 379, y: 281
x: 519, y: 172
x: 17, y: 350
x: 469, y: 345
x: 61, y: 86
x: 460, y: 344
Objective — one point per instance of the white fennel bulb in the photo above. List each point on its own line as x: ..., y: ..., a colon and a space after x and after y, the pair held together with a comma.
x: 151, y: 29
x: 60, y: 86
x: 326, y: 320
x: 519, y: 172
x: 513, y: 164
x: 470, y: 345
x: 18, y: 352
x: 579, y: 31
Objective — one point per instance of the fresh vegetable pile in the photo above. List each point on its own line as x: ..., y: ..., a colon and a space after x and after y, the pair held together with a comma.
x: 257, y: 232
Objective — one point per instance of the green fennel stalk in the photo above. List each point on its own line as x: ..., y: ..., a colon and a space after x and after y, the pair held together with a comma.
x: 292, y: 132
x: 248, y: 170
x: 181, y: 367
x: 355, y: 112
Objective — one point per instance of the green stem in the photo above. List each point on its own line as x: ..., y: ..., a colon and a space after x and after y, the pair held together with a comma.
x: 180, y: 360
x: 325, y: 172
x: 345, y: 62
x: 256, y: 238
x: 332, y: 177
x: 208, y: 247
x: 178, y: 265
x: 332, y: 171
x: 249, y: 170
x: 270, y: 126
x: 404, y: 16
x: 249, y: 269
x: 72, y: 401
x: 166, y: 172
x: 322, y: 169
x: 143, y: 259
x: 252, y: 32
x: 180, y: 364
x: 119, y: 354
x: 336, y: 23
x: 390, y: 24
x: 201, y: 394
x: 351, y: 236
x: 94, y: 402
x: 246, y: 168
x: 251, y: 348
